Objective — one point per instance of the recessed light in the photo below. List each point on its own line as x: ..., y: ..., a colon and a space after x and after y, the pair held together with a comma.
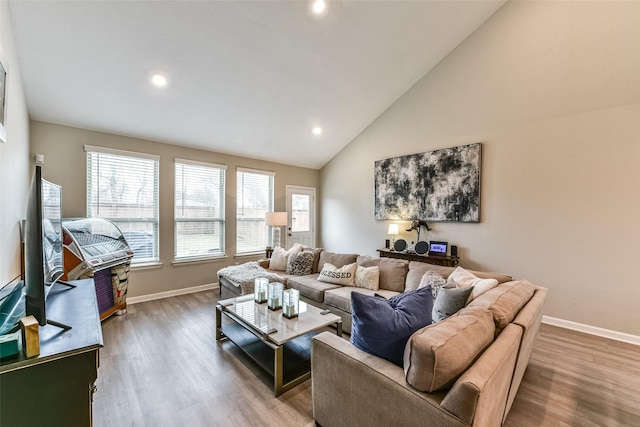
x: 318, y: 6
x: 316, y: 130
x: 159, y: 80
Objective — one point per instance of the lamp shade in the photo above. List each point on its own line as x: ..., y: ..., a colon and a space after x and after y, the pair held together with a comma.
x: 393, y: 229
x: 276, y: 219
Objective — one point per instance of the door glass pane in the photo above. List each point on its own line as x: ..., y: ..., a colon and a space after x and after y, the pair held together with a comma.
x: 300, y: 212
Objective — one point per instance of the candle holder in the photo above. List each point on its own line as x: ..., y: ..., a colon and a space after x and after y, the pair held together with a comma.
x: 290, y: 303
x: 274, y: 296
x: 260, y: 290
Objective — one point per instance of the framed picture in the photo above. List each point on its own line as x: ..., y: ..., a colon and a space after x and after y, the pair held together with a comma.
x: 3, y: 96
x: 439, y: 186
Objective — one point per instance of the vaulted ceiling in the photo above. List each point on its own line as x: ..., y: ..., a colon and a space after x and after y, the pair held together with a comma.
x: 250, y: 78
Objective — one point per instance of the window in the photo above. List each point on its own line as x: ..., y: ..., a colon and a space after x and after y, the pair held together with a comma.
x: 122, y: 186
x: 254, y: 198
x: 199, y: 210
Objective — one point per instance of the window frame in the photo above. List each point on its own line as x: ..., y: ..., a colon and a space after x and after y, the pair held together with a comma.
x: 271, y: 196
x: 221, y: 169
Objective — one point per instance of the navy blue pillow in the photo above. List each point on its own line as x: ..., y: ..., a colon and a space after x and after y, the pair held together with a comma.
x: 383, y: 326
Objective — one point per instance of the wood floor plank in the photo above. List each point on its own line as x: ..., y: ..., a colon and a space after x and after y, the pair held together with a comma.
x: 161, y: 366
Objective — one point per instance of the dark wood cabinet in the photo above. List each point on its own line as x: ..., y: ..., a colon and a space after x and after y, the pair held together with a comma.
x: 446, y: 260
x: 56, y: 388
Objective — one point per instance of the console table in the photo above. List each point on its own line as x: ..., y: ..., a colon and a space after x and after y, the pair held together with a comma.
x: 56, y: 387
x: 446, y: 260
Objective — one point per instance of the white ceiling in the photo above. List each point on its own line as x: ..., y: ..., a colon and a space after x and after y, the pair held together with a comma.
x: 249, y: 78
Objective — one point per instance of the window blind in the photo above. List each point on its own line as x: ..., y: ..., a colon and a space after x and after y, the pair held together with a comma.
x: 123, y: 187
x: 199, y: 210
x: 254, y: 198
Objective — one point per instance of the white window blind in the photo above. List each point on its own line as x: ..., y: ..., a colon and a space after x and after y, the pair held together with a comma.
x: 254, y: 198
x: 123, y: 187
x: 199, y: 210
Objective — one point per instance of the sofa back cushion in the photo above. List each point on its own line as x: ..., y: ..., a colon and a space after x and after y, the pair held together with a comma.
x: 505, y: 301
x: 435, y: 356
x: 417, y: 270
x: 393, y: 272
x: 338, y: 260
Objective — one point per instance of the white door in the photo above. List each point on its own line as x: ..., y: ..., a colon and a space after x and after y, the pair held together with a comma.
x: 301, y: 210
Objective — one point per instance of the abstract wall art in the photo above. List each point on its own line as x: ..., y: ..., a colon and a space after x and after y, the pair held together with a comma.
x: 441, y: 185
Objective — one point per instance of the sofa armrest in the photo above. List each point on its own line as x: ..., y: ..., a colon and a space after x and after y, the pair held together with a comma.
x: 479, y: 396
x: 264, y: 263
x: 351, y: 387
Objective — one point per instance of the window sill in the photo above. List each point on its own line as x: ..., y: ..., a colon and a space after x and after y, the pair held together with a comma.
x: 146, y: 265
x: 250, y: 255
x: 191, y: 261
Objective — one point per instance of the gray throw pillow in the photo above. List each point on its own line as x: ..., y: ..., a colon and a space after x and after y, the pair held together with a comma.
x: 449, y: 301
x: 300, y: 264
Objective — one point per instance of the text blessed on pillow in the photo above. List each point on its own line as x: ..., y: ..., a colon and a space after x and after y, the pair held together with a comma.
x: 340, y: 276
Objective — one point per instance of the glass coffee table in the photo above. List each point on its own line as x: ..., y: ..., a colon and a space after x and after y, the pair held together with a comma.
x: 279, y: 345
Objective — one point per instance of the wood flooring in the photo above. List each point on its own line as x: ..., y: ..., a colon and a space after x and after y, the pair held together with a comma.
x: 161, y: 366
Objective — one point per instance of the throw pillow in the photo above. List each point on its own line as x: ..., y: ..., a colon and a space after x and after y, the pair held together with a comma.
x: 383, y: 326
x: 368, y: 277
x: 300, y: 264
x: 433, y: 279
x: 279, y: 257
x: 462, y: 278
x: 340, y: 276
x: 449, y: 301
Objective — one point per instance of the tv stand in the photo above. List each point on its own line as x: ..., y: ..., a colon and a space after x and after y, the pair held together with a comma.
x: 59, y: 383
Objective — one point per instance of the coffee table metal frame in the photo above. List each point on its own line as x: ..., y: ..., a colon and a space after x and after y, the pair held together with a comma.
x: 310, y: 320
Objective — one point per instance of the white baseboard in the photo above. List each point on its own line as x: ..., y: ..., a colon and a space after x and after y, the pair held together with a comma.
x: 167, y: 294
x: 592, y: 330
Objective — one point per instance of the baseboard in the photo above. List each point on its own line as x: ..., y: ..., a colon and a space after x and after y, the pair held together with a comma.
x: 592, y: 330
x: 174, y: 293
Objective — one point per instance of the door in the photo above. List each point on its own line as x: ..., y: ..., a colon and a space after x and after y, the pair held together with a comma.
x: 301, y: 210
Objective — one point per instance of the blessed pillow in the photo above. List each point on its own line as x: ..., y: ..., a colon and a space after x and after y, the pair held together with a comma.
x: 279, y: 257
x: 433, y: 279
x: 344, y: 275
x: 462, y: 278
x: 368, y: 277
x: 449, y: 301
x: 383, y: 326
x: 300, y: 263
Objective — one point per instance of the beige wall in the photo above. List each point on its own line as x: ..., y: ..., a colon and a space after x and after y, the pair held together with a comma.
x: 15, y: 169
x: 552, y: 90
x: 65, y: 164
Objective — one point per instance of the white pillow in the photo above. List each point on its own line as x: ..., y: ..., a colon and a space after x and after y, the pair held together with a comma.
x: 461, y: 278
x: 279, y: 257
x: 340, y: 276
x: 368, y: 277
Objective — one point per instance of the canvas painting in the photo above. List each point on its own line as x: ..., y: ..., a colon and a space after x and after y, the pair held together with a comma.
x: 441, y: 185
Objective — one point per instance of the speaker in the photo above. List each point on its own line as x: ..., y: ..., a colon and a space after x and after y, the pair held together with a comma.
x: 454, y: 250
x: 387, y: 244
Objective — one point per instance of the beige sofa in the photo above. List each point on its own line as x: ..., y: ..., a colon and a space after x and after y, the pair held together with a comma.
x: 396, y: 276
x: 474, y: 383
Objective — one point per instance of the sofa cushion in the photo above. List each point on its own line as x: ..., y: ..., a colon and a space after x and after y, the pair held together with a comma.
x: 449, y: 301
x: 367, y: 277
x: 340, y: 297
x: 279, y: 257
x: 344, y: 275
x: 435, y: 356
x: 300, y: 263
x: 393, y: 272
x: 505, y: 301
x: 310, y: 287
x: 461, y: 278
x: 336, y: 259
x: 383, y: 326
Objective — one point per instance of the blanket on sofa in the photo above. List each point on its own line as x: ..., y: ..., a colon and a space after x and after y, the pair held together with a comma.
x: 243, y: 275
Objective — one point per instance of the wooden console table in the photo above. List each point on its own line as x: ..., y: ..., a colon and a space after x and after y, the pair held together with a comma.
x: 446, y: 260
x: 56, y: 388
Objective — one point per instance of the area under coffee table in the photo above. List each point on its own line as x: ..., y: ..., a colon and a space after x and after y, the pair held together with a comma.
x: 279, y: 345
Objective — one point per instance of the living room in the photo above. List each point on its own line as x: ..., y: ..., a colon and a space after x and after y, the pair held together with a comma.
x: 551, y: 89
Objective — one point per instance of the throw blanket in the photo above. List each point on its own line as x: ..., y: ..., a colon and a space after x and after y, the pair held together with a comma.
x: 243, y: 275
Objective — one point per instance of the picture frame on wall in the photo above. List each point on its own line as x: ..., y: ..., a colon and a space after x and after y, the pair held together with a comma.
x: 3, y: 96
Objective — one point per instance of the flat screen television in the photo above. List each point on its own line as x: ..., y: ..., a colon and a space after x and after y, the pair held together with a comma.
x: 43, y: 246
